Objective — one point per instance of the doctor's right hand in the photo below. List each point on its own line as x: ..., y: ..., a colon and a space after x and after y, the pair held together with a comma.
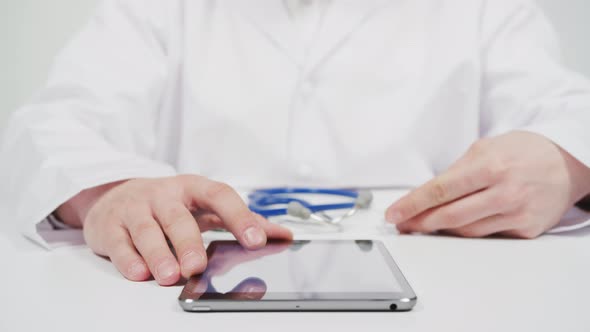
x: 131, y: 221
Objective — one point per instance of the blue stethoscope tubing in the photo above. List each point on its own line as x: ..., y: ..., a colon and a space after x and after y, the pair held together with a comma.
x: 261, y: 201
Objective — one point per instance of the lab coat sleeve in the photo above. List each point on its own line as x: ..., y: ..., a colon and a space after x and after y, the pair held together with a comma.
x: 526, y: 86
x: 94, y: 122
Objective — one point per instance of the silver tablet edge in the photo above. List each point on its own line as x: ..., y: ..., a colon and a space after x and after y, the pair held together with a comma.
x: 404, y: 304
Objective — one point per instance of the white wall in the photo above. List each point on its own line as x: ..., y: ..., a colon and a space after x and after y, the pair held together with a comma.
x: 572, y: 20
x: 31, y: 32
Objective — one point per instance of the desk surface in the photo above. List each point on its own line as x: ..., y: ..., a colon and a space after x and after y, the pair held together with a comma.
x: 462, y: 285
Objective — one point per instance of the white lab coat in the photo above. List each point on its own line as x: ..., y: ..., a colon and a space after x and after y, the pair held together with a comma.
x: 390, y: 93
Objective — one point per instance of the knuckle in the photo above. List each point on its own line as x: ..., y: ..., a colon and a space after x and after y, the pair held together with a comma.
x: 143, y: 229
x: 486, y: 174
x: 497, y: 200
x: 118, y: 248
x: 514, y: 196
x: 174, y: 213
x: 242, y: 223
x: 188, y: 180
x: 481, y: 146
x: 439, y: 192
x: 217, y: 190
x: 132, y: 208
x: 111, y: 212
x: 495, y: 170
x: 165, y: 188
x: 472, y: 179
x: 171, y: 227
x: 186, y: 245
x: 501, y: 200
x: 156, y: 256
x: 175, y: 219
x: 153, y: 190
x: 208, y: 219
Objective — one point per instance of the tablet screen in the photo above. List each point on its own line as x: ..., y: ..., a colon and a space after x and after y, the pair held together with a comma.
x: 300, y: 270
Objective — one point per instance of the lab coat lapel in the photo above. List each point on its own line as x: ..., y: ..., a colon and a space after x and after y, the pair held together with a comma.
x: 272, y: 19
x: 342, y: 19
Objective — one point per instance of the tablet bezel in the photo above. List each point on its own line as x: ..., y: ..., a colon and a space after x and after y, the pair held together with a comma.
x: 349, y: 301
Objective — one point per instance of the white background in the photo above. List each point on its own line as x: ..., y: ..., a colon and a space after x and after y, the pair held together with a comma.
x: 32, y: 31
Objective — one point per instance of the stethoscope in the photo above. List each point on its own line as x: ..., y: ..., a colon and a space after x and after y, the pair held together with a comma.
x: 280, y: 202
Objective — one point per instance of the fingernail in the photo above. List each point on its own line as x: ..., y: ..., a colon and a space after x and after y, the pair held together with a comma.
x: 166, y: 270
x: 191, y: 261
x: 394, y: 217
x: 137, y: 270
x: 254, y: 237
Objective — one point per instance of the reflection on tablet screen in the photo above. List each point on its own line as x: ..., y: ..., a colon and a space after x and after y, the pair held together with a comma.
x: 295, y: 270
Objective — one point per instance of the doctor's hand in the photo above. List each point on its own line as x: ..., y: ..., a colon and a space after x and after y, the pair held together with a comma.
x: 130, y: 222
x: 516, y: 185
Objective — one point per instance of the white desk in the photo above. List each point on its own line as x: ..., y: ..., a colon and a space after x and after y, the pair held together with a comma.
x: 462, y: 285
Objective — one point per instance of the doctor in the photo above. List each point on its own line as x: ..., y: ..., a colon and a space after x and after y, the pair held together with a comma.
x: 466, y: 96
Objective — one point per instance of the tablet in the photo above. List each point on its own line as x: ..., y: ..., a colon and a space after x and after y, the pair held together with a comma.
x: 299, y: 276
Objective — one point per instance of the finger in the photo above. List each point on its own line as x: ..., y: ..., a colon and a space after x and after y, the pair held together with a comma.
x: 232, y: 256
x: 195, y: 288
x: 274, y: 231
x: 207, y: 221
x: 181, y: 228
x: 525, y: 233
x: 461, y: 212
x: 249, y: 289
x: 459, y: 181
x: 113, y: 241
x: 125, y: 257
x: 483, y: 228
x: 151, y: 244
x: 223, y: 201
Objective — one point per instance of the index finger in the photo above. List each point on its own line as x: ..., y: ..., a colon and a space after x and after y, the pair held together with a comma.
x: 459, y: 181
x: 225, y: 202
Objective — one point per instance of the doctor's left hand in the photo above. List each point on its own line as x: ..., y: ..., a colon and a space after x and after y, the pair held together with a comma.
x: 516, y: 185
x: 131, y: 221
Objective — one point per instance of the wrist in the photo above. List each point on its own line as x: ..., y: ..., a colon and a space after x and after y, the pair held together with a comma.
x: 74, y: 211
x: 579, y: 175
